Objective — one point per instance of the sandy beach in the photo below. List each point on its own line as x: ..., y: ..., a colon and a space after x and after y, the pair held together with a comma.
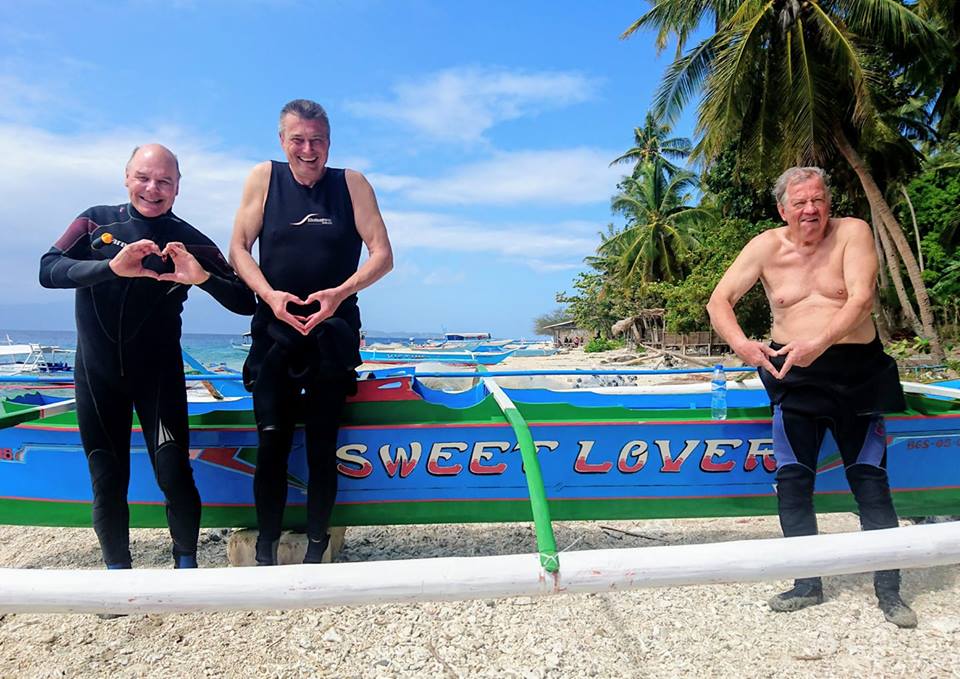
x: 709, y: 631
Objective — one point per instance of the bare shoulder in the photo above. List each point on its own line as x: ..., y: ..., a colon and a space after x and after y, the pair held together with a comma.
x: 356, y: 180
x: 260, y: 174
x: 764, y: 244
x: 850, y: 227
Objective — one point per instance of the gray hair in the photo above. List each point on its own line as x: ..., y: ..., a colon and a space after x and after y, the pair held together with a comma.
x: 176, y: 161
x: 305, y: 109
x: 799, y: 174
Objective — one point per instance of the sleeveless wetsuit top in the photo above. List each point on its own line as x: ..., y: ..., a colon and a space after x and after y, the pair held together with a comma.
x: 309, y: 239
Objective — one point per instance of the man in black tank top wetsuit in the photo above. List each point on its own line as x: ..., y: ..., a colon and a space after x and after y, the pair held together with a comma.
x: 311, y: 221
x: 132, y: 266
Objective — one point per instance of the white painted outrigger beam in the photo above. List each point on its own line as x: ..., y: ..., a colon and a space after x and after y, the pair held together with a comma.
x: 449, y: 579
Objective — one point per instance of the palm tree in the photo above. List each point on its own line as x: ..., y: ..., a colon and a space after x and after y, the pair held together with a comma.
x: 941, y: 72
x: 788, y: 82
x: 661, y: 229
x: 651, y: 143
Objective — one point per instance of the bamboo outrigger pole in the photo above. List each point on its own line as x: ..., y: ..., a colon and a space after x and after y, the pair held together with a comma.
x: 451, y: 579
x: 546, y: 542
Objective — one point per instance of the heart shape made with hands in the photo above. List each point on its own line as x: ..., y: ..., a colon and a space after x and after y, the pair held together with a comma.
x: 158, y: 263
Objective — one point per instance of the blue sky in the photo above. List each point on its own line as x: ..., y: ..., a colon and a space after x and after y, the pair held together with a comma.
x: 486, y: 130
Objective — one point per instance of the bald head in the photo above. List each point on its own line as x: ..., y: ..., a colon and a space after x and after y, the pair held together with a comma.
x: 158, y: 150
x: 152, y: 179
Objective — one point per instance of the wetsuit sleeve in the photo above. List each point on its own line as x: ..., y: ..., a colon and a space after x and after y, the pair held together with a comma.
x: 70, y: 263
x: 223, y: 285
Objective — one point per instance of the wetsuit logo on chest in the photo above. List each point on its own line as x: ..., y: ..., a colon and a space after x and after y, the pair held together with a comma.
x: 313, y: 218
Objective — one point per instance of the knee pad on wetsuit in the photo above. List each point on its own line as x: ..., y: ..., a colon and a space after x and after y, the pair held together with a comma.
x: 106, y: 475
x: 174, y: 474
x: 871, y: 489
x: 795, y: 485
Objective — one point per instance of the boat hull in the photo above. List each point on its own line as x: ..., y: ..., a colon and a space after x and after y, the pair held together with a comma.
x: 406, y: 456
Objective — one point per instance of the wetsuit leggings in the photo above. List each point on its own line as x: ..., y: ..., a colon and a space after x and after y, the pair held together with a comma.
x: 863, y: 447
x: 105, y: 400
x: 320, y: 406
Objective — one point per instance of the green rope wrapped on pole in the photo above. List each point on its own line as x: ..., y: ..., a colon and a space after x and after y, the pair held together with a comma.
x: 546, y: 542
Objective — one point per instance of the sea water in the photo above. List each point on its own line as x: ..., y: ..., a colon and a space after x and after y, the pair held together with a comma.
x: 211, y: 349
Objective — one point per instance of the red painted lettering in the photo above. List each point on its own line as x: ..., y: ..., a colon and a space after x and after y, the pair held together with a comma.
x: 444, y: 451
x: 715, y: 450
x: 672, y: 465
x: 352, y: 462
x: 581, y: 466
x: 632, y: 449
x: 405, y: 463
x: 483, y: 450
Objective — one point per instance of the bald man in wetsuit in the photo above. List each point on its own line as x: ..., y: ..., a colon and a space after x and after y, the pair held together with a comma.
x: 132, y: 266
x: 311, y: 221
x: 825, y: 368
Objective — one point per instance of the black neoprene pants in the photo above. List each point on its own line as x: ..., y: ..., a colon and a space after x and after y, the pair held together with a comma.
x: 320, y: 407
x: 862, y: 445
x: 106, y: 396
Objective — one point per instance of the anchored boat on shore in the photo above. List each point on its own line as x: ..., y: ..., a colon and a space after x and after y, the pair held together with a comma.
x: 409, y: 453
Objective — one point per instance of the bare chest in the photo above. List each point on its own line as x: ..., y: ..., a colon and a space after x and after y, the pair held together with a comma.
x: 792, y: 277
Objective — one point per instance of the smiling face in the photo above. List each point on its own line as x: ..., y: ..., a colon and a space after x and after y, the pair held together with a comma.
x: 306, y: 143
x: 806, y: 209
x: 152, y: 180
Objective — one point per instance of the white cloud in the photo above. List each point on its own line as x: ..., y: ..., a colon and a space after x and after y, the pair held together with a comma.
x: 574, y: 176
x: 436, y: 231
x: 460, y: 104
x: 444, y: 277
x: 47, y: 179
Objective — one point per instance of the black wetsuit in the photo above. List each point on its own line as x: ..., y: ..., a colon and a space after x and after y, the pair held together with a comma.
x: 846, y: 390
x: 128, y: 354
x: 309, y: 242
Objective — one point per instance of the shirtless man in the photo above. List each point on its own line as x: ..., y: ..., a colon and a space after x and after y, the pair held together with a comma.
x: 825, y: 368
x: 311, y: 221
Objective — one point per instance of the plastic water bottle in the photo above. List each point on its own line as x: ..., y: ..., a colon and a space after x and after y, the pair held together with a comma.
x: 718, y: 394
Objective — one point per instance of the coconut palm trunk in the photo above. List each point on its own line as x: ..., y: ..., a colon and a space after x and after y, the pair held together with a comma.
x: 889, y: 224
x: 893, y: 266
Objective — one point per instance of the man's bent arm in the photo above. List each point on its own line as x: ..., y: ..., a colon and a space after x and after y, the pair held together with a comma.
x: 373, y: 231
x: 246, y: 230
x: 68, y: 265
x: 742, y: 275
x: 222, y: 283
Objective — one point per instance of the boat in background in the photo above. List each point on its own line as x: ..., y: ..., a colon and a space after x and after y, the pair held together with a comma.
x: 380, y: 354
x: 466, y: 336
x: 25, y: 359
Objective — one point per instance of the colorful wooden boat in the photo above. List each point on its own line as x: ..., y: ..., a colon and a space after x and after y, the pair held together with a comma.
x: 411, y: 454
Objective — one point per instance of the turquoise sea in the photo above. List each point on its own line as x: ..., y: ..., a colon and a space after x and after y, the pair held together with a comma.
x: 211, y: 349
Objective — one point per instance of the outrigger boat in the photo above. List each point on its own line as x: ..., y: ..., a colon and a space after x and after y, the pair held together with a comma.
x: 25, y: 359
x: 412, y: 454
x: 409, y: 453
x: 373, y: 354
